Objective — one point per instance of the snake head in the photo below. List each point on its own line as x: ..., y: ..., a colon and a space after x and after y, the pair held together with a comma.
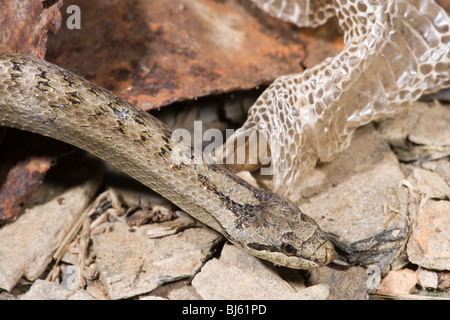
x: 288, y: 237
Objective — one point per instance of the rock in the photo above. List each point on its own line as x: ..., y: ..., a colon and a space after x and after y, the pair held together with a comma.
x: 350, y: 284
x: 27, y: 244
x: 151, y: 298
x: 441, y: 95
x: 429, y: 244
x: 358, y: 198
x: 157, y: 230
x: 237, y: 275
x: 130, y: 192
x: 45, y: 290
x: 395, y: 130
x: 398, y: 282
x: 7, y: 296
x: 441, y: 167
x: 432, y: 128
x: 131, y: 264
x: 427, y: 279
x: 443, y: 280
x: 178, y: 290
x: 293, y: 277
x: 97, y: 290
x: 429, y: 183
x: 315, y: 292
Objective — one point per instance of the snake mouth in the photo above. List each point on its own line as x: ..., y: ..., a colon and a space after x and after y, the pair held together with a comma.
x: 324, y: 255
x: 330, y: 252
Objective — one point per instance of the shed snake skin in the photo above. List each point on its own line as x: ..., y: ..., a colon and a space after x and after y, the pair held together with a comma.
x: 395, y: 51
x: 40, y: 97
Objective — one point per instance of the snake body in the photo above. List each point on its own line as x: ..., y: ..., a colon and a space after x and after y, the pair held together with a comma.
x: 40, y: 97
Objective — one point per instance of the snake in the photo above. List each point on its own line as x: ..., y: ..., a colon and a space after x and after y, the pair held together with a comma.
x: 43, y: 98
x: 335, y: 97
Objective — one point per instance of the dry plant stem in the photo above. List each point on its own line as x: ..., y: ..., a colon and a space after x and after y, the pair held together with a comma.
x: 80, y: 223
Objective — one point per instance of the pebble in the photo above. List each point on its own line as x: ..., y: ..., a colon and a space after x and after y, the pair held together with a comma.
x: 432, y: 128
x: 351, y: 284
x: 398, y: 282
x: 427, y: 279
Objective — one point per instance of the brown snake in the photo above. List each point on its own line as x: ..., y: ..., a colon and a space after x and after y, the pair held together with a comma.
x: 40, y: 97
x: 395, y: 51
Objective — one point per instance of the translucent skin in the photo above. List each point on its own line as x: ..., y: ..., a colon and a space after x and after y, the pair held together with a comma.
x: 395, y: 51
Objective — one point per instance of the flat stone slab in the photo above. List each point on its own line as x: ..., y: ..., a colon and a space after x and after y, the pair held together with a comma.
x: 130, y: 263
x: 237, y: 275
x: 351, y: 284
x: 429, y: 244
x: 358, y: 197
x: 45, y: 290
x: 396, y: 129
x: 432, y: 127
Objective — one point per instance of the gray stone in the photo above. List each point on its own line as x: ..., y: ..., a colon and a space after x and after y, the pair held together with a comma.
x: 45, y: 290
x: 427, y: 279
x: 237, y: 275
x: 432, y: 128
x: 429, y: 184
x: 358, y: 198
x: 350, y: 284
x: 131, y: 264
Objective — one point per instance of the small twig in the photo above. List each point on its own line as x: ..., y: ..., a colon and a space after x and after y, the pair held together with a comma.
x: 95, y: 207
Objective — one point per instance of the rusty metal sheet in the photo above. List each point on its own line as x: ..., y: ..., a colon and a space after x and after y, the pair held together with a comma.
x: 156, y: 52
x: 24, y: 25
x: 21, y: 183
x: 25, y: 160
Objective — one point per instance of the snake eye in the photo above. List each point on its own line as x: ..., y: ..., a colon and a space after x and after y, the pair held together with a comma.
x: 288, y: 250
